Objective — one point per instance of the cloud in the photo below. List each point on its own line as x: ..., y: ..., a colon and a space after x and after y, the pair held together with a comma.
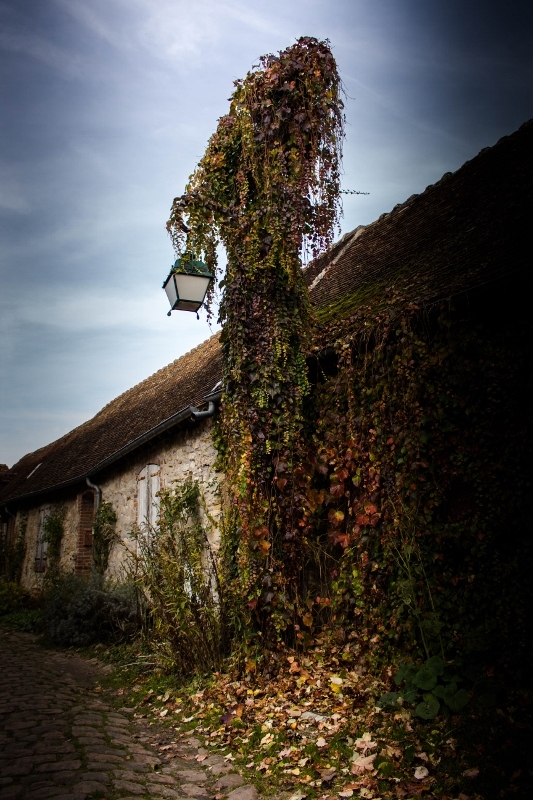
x: 12, y: 196
x: 43, y: 50
x: 82, y: 308
x: 396, y: 105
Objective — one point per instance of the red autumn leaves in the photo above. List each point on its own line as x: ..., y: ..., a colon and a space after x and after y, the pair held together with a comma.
x: 351, y: 509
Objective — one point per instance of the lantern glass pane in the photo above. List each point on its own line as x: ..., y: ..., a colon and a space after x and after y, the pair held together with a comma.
x: 192, y: 287
x: 170, y: 289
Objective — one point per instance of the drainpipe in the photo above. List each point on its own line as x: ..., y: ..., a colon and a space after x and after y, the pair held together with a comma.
x: 97, y: 490
x: 196, y: 415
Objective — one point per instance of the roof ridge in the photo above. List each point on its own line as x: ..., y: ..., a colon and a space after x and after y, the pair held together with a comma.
x: 400, y: 206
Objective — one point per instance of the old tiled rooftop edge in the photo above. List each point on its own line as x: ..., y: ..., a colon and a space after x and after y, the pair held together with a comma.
x: 466, y: 228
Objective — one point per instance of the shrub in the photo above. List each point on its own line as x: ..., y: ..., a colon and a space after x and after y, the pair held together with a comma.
x: 78, y: 611
x: 104, y: 536
x: 29, y: 620
x: 175, y: 571
x: 12, y: 597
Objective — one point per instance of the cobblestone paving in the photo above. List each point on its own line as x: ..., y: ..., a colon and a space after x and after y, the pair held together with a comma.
x: 59, y: 740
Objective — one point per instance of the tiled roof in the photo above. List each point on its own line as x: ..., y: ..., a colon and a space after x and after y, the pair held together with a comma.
x: 183, y: 383
x: 469, y: 228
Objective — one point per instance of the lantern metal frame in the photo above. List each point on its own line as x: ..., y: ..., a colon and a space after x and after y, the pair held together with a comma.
x: 187, y: 284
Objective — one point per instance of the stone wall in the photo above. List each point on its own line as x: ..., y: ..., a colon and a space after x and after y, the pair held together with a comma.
x: 186, y: 453
x: 30, y: 578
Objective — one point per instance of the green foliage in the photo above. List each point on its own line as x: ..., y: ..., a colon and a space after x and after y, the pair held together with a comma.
x: 12, y: 597
x: 12, y: 554
x: 29, y: 620
x: 175, y: 572
x: 267, y: 188
x: 428, y: 708
x: 104, y: 536
x: 79, y: 611
x: 432, y: 682
x: 53, y: 532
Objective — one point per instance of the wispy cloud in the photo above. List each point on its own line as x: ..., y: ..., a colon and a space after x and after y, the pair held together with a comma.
x: 12, y: 195
x: 44, y: 51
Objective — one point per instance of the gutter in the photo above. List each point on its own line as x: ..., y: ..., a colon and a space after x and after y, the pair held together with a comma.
x: 196, y: 415
x: 213, y: 398
x: 97, y: 490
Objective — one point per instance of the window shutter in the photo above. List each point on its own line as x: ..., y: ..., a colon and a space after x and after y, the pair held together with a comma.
x: 147, y: 500
x: 142, y: 506
x: 41, y: 546
x: 153, y: 483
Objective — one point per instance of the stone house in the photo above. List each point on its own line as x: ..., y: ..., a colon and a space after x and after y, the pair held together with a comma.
x: 142, y: 441
x: 466, y: 237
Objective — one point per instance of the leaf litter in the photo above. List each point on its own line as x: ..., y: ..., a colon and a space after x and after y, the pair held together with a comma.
x: 314, y: 731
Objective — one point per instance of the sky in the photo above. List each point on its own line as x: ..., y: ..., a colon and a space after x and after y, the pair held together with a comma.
x: 106, y: 106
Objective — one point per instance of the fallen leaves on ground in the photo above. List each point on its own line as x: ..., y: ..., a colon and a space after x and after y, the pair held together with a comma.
x: 312, y: 728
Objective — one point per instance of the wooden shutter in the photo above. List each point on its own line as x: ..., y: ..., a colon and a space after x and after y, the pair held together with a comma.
x: 148, y: 484
x: 152, y: 487
x: 41, y: 546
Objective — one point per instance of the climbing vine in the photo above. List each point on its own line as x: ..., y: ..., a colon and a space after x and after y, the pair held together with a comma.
x: 104, y: 536
x: 53, y: 532
x: 267, y: 188
x: 419, y: 476
x: 381, y: 497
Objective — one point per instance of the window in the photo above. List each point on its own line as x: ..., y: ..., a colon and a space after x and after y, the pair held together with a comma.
x: 41, y: 546
x: 147, y: 501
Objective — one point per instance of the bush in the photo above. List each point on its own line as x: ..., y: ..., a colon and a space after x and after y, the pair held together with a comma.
x: 29, y: 620
x: 79, y: 612
x: 12, y: 597
x: 175, y: 572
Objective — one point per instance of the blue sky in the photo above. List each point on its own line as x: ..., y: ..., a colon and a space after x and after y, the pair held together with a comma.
x: 107, y: 105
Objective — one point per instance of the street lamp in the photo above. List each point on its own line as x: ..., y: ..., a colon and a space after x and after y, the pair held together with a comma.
x: 187, y: 284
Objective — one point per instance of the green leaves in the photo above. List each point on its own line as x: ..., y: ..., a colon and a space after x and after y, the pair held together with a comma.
x: 455, y: 699
x: 388, y: 699
x: 431, y: 678
x: 425, y: 678
x: 428, y: 708
x: 406, y: 672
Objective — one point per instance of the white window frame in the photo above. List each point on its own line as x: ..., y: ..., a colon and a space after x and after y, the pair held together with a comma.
x: 148, y: 486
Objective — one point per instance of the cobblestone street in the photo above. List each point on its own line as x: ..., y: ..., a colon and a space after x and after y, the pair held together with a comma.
x: 59, y: 740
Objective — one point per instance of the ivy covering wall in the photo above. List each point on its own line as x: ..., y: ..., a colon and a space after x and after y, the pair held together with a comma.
x: 375, y: 453
x: 420, y: 482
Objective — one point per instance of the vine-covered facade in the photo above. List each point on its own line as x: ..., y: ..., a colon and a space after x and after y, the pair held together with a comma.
x: 410, y: 489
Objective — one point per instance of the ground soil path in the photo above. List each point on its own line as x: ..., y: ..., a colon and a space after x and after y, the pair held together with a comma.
x: 60, y: 740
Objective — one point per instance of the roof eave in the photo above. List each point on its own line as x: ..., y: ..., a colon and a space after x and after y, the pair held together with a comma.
x: 180, y: 416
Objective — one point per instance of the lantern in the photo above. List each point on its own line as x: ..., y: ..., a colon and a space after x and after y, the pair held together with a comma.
x: 187, y: 284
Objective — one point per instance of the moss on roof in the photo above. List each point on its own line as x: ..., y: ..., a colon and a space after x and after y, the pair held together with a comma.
x: 470, y: 228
